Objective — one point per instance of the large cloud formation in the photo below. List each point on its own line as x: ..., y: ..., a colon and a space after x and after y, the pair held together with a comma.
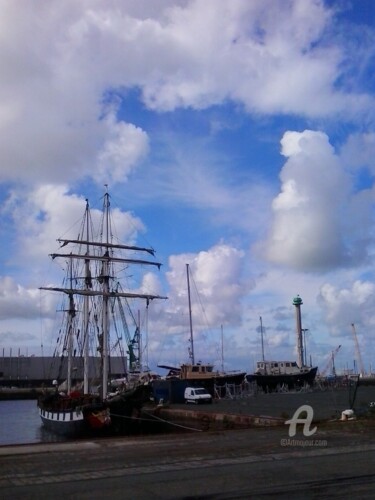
x: 71, y: 72
x: 67, y: 66
x: 217, y: 275
x: 312, y: 230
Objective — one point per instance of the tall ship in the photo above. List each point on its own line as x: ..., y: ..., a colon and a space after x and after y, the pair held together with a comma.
x: 95, y: 295
x: 194, y: 373
x: 272, y: 375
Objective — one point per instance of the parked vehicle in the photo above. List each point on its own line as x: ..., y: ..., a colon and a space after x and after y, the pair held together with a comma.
x: 197, y: 395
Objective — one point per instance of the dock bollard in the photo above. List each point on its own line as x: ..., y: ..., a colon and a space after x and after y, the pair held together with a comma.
x: 347, y: 415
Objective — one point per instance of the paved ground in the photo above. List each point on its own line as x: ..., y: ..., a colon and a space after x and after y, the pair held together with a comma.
x: 337, y: 462
x: 327, y: 404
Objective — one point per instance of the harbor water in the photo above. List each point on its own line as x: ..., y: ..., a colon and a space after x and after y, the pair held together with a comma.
x: 21, y: 424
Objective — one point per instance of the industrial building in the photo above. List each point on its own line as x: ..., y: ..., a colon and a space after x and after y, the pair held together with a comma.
x: 37, y: 371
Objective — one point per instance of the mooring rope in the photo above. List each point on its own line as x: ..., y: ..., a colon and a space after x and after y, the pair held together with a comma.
x: 154, y: 417
x: 132, y: 418
x: 176, y: 425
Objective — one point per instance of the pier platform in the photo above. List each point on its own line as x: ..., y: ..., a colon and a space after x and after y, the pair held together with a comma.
x: 264, y: 410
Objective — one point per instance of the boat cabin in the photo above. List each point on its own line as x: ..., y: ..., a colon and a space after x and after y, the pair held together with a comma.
x: 198, y: 370
x: 277, y: 367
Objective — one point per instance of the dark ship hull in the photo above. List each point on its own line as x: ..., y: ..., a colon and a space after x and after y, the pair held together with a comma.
x: 77, y: 417
x: 125, y: 408
x: 73, y: 416
x: 291, y: 381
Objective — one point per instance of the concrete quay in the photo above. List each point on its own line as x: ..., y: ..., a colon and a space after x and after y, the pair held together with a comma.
x: 209, y: 461
x: 210, y: 420
x: 337, y: 462
x: 17, y: 393
x: 263, y: 410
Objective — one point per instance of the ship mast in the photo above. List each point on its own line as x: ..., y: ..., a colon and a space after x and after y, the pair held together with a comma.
x: 191, y: 350
x: 222, y: 349
x: 71, y: 314
x: 89, y: 253
x: 105, y: 318
x: 261, y: 337
x: 86, y: 299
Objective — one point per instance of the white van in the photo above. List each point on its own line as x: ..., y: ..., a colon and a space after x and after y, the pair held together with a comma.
x: 197, y: 395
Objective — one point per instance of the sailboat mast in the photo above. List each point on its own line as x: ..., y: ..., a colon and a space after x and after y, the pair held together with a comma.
x: 86, y: 310
x: 71, y: 314
x: 105, y: 339
x: 101, y: 253
x: 140, y: 346
x: 191, y: 351
x: 261, y: 337
x: 222, y: 349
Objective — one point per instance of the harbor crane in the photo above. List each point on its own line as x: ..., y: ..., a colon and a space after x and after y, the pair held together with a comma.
x: 331, y: 363
x: 358, y: 352
x: 133, y: 344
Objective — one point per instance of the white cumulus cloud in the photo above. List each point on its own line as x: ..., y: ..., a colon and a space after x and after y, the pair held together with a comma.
x: 63, y: 61
x: 311, y: 223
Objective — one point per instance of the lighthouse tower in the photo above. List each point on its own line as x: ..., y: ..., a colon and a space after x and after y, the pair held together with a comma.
x: 297, y: 302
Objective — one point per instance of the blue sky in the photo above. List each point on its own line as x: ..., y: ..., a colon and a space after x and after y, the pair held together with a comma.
x: 235, y: 136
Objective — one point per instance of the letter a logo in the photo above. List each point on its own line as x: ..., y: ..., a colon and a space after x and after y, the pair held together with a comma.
x: 306, y: 421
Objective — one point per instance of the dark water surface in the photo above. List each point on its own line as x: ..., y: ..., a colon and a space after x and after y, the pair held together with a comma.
x: 20, y: 424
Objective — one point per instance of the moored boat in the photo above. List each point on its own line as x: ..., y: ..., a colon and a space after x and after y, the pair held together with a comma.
x: 194, y: 373
x: 271, y: 375
x: 73, y: 414
x: 199, y: 373
x: 95, y: 266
